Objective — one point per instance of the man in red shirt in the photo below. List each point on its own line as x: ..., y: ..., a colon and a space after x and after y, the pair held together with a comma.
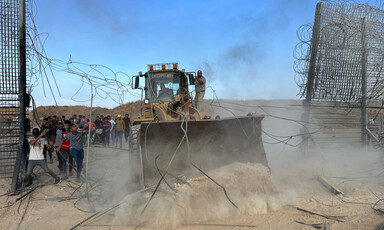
x: 106, y: 131
x: 64, y: 151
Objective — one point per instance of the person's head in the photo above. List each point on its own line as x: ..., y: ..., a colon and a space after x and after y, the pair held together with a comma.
x: 45, y: 121
x: 97, y: 118
x: 67, y: 123
x: 71, y: 120
x: 105, y: 118
x: 162, y: 86
x: 35, y: 132
x: 78, y: 119
x: 126, y: 115
x: 109, y: 117
x: 63, y: 117
x: 119, y: 117
x: 54, y: 118
x: 80, y: 116
x: 199, y: 73
x: 74, y: 116
x: 87, y: 120
x: 60, y: 125
x: 73, y: 128
x: 44, y: 116
x: 101, y: 116
x: 49, y: 119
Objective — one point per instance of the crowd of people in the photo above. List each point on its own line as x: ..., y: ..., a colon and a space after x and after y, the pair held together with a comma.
x: 66, y: 137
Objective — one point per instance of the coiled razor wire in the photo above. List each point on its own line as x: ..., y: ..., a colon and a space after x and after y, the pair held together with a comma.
x: 338, y: 67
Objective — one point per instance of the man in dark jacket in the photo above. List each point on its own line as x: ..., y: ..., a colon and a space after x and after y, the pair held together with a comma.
x: 49, y: 129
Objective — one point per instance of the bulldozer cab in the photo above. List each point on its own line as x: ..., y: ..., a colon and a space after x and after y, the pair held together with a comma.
x: 164, y: 82
x: 164, y: 86
x: 166, y: 93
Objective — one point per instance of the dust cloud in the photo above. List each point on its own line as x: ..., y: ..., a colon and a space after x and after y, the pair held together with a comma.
x: 254, y: 188
x: 284, y: 130
x: 110, y: 177
x: 249, y: 186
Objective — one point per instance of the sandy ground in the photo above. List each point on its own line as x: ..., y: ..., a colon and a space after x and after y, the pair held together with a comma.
x: 359, y: 175
x: 64, y: 205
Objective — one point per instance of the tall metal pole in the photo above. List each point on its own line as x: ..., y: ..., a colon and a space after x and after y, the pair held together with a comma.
x: 88, y: 146
x: 311, y: 72
x: 22, y: 93
x: 314, y: 48
x: 363, y: 83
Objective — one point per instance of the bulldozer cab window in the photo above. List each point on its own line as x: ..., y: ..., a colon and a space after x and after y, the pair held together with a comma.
x: 163, y: 87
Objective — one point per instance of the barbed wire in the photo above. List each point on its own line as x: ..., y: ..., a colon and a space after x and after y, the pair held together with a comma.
x: 340, y: 49
x: 106, y: 83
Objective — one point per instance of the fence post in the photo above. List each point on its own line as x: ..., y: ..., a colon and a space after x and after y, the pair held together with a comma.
x: 22, y: 94
x: 363, y: 83
x: 311, y: 72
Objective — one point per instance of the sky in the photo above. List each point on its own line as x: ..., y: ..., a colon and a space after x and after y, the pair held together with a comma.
x: 244, y: 48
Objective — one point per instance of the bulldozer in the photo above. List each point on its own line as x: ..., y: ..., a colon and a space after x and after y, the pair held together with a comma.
x: 171, y: 134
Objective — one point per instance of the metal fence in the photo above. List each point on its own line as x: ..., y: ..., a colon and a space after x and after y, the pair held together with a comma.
x: 345, y: 52
x: 340, y: 59
x: 12, y: 88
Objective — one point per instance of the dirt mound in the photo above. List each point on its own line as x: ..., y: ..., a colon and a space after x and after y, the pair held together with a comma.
x: 249, y: 186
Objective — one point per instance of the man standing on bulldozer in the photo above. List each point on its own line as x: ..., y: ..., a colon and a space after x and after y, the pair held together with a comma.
x: 199, y: 89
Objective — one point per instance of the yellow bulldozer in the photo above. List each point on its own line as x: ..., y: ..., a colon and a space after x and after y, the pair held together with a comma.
x: 171, y: 134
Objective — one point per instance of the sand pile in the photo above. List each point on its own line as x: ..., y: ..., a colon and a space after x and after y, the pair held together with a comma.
x: 249, y: 186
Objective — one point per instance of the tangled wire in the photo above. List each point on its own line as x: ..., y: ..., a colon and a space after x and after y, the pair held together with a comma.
x: 105, y: 83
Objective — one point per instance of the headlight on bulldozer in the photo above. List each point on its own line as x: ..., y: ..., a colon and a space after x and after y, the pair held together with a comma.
x: 147, y: 106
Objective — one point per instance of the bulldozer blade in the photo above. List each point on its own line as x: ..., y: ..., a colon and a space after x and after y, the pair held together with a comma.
x: 170, y: 146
